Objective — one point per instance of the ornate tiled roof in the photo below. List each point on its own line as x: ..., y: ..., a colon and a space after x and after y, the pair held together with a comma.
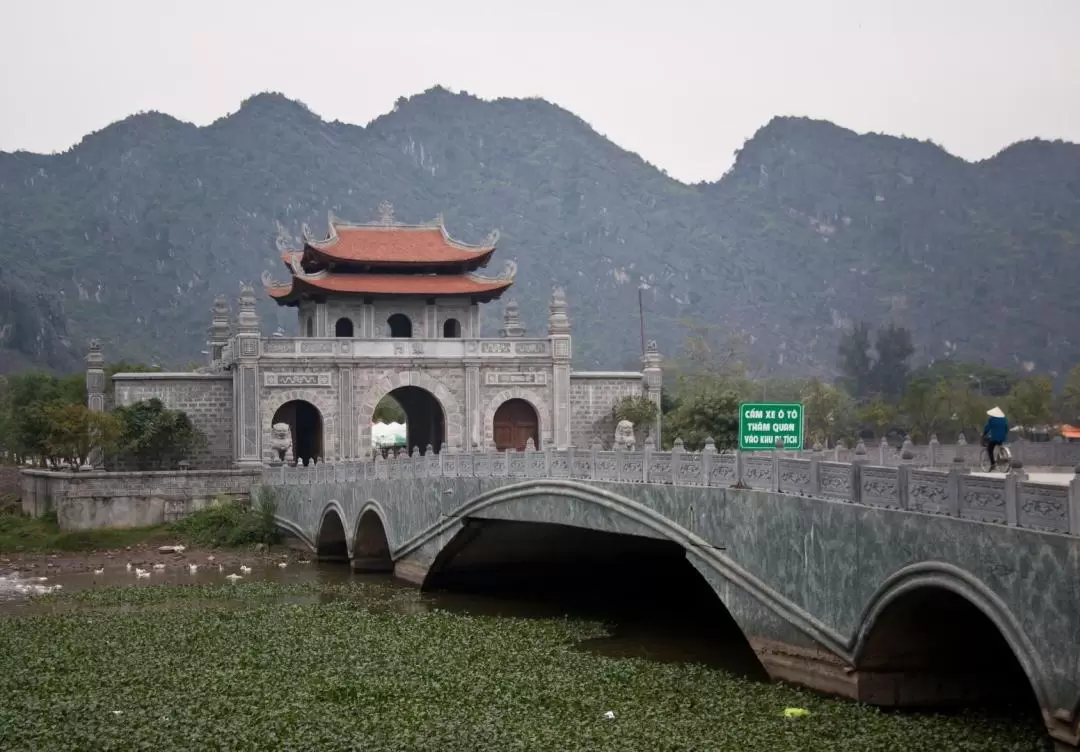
x: 387, y: 243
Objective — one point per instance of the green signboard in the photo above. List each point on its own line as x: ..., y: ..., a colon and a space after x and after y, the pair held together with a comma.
x: 761, y: 424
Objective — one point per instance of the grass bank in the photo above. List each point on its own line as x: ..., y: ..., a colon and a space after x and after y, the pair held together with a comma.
x: 341, y: 671
x: 224, y: 523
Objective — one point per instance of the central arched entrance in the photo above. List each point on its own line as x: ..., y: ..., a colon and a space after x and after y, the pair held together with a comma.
x: 515, y: 423
x: 425, y: 422
x: 306, y: 424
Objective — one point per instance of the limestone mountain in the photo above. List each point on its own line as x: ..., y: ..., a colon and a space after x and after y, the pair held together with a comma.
x: 128, y: 235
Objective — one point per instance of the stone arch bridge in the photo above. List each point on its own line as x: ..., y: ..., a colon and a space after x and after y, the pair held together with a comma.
x: 866, y: 581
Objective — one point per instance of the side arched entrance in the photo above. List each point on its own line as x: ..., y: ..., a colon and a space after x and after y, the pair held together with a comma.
x: 514, y: 423
x: 306, y: 425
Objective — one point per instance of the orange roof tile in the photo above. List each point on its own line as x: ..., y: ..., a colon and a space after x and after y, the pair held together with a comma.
x: 392, y: 284
x: 396, y: 244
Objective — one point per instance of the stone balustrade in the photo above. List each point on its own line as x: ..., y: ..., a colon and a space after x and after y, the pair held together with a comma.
x: 1031, y: 453
x: 1008, y: 500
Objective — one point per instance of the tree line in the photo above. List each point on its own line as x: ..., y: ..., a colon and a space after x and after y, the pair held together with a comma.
x: 45, y: 422
x: 879, y: 393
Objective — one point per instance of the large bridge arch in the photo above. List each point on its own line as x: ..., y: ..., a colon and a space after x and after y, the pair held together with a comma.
x: 323, y: 403
x: 451, y: 407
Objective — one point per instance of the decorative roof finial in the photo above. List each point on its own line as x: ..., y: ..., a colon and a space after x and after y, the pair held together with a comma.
x: 386, y: 213
x: 511, y: 321
x: 492, y: 238
x: 247, y: 320
x: 558, y: 321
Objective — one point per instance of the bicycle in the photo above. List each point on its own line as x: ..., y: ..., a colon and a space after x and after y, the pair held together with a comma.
x: 1003, y: 458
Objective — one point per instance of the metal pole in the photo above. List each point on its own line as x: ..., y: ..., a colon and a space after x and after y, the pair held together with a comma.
x: 641, y: 318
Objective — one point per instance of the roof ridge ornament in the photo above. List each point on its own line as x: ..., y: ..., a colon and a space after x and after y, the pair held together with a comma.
x: 492, y: 237
x: 508, y: 274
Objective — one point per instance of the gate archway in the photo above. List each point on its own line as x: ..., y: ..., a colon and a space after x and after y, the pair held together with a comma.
x: 425, y: 421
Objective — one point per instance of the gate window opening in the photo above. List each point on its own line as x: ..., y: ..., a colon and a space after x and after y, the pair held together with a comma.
x: 515, y: 423
x: 306, y: 424
x: 400, y: 326
x: 451, y: 329
x: 655, y: 603
x: 425, y: 422
x: 343, y: 327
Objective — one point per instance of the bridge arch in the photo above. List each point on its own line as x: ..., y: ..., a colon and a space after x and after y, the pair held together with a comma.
x: 956, y: 595
x: 371, y: 546
x: 452, y: 414
x: 331, y: 542
x: 533, y: 399
x: 323, y: 404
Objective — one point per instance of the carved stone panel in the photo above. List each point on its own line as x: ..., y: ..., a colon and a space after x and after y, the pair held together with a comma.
x: 795, y: 475
x: 311, y: 348
x: 880, y: 486
x: 538, y: 378
x: 1044, y: 507
x: 983, y: 498
x: 928, y: 492
x: 297, y: 379
x: 834, y: 478
x: 531, y: 348
x: 495, y: 347
x: 283, y: 347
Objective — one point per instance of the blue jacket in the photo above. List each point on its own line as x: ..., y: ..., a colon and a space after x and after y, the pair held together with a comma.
x: 997, y: 429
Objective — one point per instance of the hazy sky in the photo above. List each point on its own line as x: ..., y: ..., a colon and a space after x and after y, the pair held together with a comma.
x: 681, y: 83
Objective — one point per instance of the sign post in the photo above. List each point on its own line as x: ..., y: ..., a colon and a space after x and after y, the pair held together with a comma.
x: 761, y: 424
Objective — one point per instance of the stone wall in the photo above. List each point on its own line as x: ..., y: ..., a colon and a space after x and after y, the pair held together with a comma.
x: 593, y: 396
x: 86, y: 501
x: 206, y: 398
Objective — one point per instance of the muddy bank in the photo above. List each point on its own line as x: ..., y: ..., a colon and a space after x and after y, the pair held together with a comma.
x: 146, y: 556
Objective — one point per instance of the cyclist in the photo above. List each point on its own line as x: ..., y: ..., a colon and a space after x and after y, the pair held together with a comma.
x: 995, y: 432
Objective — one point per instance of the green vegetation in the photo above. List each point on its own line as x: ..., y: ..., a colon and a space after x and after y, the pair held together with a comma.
x: 44, y: 420
x: 878, y: 395
x: 344, y: 671
x: 812, y: 225
x: 225, y: 523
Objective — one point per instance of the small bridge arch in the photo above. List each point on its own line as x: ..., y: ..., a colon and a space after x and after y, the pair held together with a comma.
x: 331, y: 542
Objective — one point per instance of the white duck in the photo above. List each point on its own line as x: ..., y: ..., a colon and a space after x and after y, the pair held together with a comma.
x: 141, y: 573
x: 233, y: 577
x: 101, y: 570
x: 193, y: 568
x: 282, y: 564
x: 159, y: 566
x: 129, y: 566
x: 245, y: 569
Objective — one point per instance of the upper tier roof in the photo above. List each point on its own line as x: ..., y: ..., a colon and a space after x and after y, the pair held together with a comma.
x: 391, y: 284
x: 388, y: 244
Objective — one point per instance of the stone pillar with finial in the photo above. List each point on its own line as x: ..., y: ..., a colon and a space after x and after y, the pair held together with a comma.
x: 218, y: 331
x: 245, y: 346
x: 652, y: 375
x: 512, y: 326
x: 559, y: 339
x: 95, y: 390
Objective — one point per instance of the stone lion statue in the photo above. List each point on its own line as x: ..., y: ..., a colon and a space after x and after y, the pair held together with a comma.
x: 624, y: 436
x: 281, y: 442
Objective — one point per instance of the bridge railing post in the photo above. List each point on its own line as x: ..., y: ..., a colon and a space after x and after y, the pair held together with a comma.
x: 1074, y: 503
x: 646, y: 458
x: 708, y: 457
x: 815, y: 476
x: 1012, y: 493
x: 594, y: 451
x: 775, y: 480
x: 738, y: 468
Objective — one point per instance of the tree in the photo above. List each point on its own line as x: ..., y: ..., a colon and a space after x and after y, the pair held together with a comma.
x: 707, y: 362
x: 701, y: 415
x: 827, y: 410
x: 890, y: 372
x: 879, y: 414
x: 28, y: 395
x: 388, y: 411
x: 1031, y: 402
x: 75, y: 432
x: 925, y: 407
x: 153, y: 437
x: 1070, y: 397
x: 856, y: 361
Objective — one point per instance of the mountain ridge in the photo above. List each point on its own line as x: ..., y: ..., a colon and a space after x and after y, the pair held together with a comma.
x: 812, y: 228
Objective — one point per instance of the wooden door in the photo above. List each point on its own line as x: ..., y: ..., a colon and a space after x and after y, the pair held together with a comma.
x: 516, y: 423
